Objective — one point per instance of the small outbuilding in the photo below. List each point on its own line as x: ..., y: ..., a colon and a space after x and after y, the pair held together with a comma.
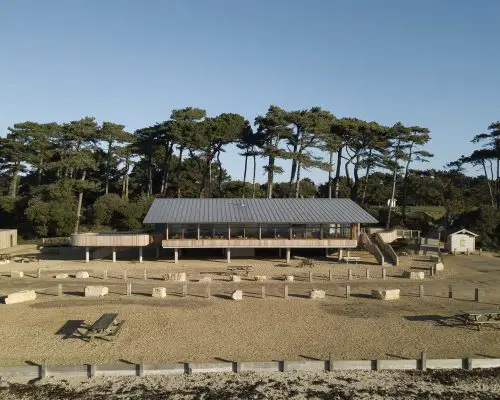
x: 8, y: 238
x: 462, y: 241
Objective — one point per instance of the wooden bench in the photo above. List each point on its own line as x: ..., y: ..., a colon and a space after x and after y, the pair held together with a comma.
x: 352, y: 259
x: 240, y: 270
x: 480, y: 317
x: 105, y: 328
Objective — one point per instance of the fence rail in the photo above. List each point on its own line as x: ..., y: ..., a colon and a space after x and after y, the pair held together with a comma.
x: 44, y: 370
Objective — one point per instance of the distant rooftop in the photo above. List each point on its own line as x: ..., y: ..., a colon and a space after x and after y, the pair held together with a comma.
x: 247, y: 211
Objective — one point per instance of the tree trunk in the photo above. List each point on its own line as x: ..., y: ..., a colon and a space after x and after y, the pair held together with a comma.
x: 394, y: 177
x: 355, y: 187
x: 405, y: 184
x: 150, y: 177
x: 125, y: 178
x: 297, y: 182
x: 336, y: 180
x: 179, y: 164
x: 79, y: 207
x: 492, y: 198
x: 108, y: 164
x: 498, y: 184
x: 253, y: 178
x: 40, y: 172
x: 219, y: 183
x: 330, y: 166
x: 166, y: 168
x: 368, y: 167
x: 14, y: 181
x: 245, y: 175
x: 270, y: 177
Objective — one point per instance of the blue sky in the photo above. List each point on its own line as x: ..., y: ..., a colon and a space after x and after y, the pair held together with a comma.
x: 431, y: 63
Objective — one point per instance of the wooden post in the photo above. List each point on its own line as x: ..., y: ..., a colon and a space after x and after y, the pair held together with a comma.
x: 87, y: 254
x: 432, y: 270
x: 480, y: 251
x: 141, y: 368
x: 423, y: 361
x: 129, y: 289
x: 450, y: 292
x: 476, y: 294
x: 44, y: 369
x: 92, y: 370
x: 140, y: 254
x: 285, y: 294
x: 184, y: 290
x: 421, y: 290
x: 208, y: 291
x: 39, y: 273
x: 145, y: 275
x: 114, y: 255
x: 330, y: 362
x: 468, y: 363
x: 349, y: 274
x: 330, y: 277
x: 310, y: 276
x: 59, y: 289
x: 347, y: 291
x: 105, y: 274
x: 263, y: 291
x: 367, y: 273
x: 384, y: 273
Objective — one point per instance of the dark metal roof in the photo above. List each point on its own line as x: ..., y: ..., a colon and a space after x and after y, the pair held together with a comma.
x: 203, y: 211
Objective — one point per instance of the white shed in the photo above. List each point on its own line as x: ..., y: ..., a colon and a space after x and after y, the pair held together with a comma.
x: 462, y: 241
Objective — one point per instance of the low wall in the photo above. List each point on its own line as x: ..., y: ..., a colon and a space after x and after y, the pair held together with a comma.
x: 142, y: 369
x: 371, y: 247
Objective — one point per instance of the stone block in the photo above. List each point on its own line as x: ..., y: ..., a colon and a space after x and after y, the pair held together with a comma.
x: 96, y: 291
x: 237, y: 295
x: 236, y: 278
x: 160, y: 292
x: 62, y: 276
x: 82, y: 275
x: 19, y: 297
x: 413, y: 275
x: 289, y: 278
x: 16, y: 274
x: 439, y: 266
x: 391, y: 294
x: 176, y: 276
x: 205, y: 279
x: 259, y: 278
x: 317, y: 294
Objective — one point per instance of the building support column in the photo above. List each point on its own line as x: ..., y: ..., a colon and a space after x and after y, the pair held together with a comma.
x: 288, y: 255
x: 87, y: 254
x: 279, y: 252
x: 326, y: 252
x: 114, y: 254
x: 340, y: 255
x: 176, y: 256
x: 140, y: 254
x: 228, y: 254
x: 157, y: 252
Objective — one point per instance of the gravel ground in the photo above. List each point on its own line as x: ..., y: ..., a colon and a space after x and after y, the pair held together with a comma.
x: 443, y: 385
x: 180, y: 329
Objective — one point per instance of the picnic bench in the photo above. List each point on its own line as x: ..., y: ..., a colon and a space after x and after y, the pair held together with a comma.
x: 105, y: 328
x: 480, y: 317
x: 351, y: 259
x: 29, y: 259
x: 5, y: 257
x: 244, y: 271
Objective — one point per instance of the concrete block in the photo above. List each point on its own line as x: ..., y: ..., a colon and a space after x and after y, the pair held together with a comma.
x: 96, y: 291
x: 413, y: 275
x: 160, y: 292
x: 260, y: 278
x: 317, y: 294
x: 398, y: 364
x: 205, y: 279
x: 164, y: 369
x: 352, y: 364
x: 62, y: 276
x: 16, y: 274
x: 390, y: 294
x: 176, y: 276
x: 237, y: 295
x: 236, y: 278
x: 449, y: 363
x: 266, y: 366
x: 439, y: 266
x: 82, y: 275
x: 211, y: 367
x: 20, y: 297
x: 289, y: 278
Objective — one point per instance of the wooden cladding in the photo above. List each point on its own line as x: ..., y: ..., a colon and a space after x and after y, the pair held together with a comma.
x: 111, y: 239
